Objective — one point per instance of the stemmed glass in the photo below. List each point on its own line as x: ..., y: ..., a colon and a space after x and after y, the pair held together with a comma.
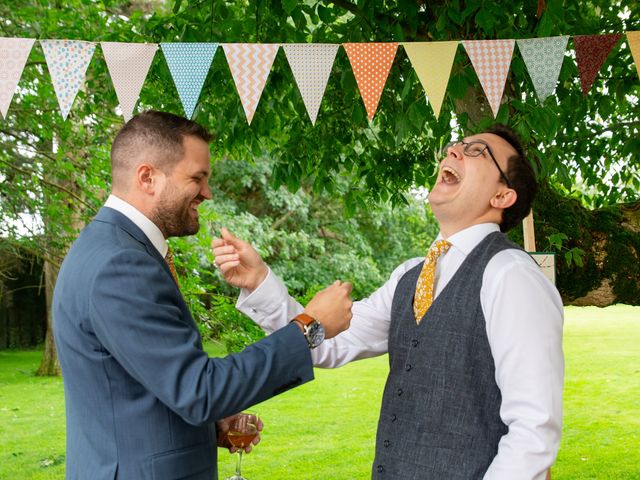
x: 243, y: 428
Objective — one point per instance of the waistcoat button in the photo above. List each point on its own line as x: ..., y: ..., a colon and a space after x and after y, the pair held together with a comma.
x: 386, y: 443
x: 414, y: 342
x: 407, y: 367
x: 399, y: 391
x: 380, y: 468
x: 393, y: 418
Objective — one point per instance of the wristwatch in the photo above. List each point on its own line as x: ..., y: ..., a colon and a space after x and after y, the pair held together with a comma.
x: 312, y: 329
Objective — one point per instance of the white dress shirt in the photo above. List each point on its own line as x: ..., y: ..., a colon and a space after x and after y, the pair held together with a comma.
x: 524, y: 319
x: 149, y: 228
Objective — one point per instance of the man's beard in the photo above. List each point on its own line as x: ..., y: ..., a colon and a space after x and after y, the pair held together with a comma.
x: 172, y: 215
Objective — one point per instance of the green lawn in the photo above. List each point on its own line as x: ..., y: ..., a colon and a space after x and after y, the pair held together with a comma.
x: 326, y: 429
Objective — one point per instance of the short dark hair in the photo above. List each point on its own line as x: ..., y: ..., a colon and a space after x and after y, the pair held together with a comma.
x: 160, y: 132
x: 521, y: 176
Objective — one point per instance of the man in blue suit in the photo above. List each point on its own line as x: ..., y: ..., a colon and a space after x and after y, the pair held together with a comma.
x: 142, y: 397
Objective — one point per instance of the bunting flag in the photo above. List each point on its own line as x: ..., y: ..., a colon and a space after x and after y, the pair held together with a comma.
x: 128, y: 65
x: 543, y: 58
x: 432, y: 62
x: 68, y: 61
x: 591, y: 52
x: 250, y: 64
x: 311, y: 64
x: 13, y: 57
x: 633, y: 38
x: 371, y: 63
x: 189, y: 64
x: 491, y: 60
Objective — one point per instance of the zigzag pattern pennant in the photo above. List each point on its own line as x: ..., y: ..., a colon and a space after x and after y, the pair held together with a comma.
x: 68, y: 61
x: 13, y: 57
x: 543, y: 58
x: 128, y: 65
x: 189, y: 64
x: 491, y: 60
x: 371, y: 63
x: 311, y: 65
x: 432, y: 62
x: 250, y: 64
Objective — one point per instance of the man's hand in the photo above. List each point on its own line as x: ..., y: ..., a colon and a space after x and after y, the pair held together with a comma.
x: 332, y: 308
x: 223, y: 429
x: 238, y: 261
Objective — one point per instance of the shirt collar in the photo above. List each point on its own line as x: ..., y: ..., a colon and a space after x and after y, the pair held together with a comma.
x: 149, y: 228
x: 467, y: 239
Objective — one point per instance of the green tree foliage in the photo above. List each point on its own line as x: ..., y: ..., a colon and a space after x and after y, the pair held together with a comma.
x: 58, y: 171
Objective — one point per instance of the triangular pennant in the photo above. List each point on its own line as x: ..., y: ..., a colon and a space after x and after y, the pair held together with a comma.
x: 591, y: 52
x: 250, y: 64
x: 13, y: 57
x: 189, y: 64
x: 543, y: 58
x: 68, y: 61
x: 311, y: 65
x: 432, y: 62
x: 491, y: 60
x: 633, y: 38
x: 371, y: 63
x: 128, y: 65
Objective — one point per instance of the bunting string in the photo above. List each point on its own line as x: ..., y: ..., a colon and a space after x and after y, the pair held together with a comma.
x: 311, y: 64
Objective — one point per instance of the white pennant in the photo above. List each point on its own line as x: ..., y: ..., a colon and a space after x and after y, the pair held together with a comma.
x: 311, y: 65
x: 13, y: 57
x: 128, y: 65
x: 68, y: 61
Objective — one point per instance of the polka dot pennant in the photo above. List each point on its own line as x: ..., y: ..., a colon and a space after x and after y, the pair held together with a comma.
x: 633, y: 38
x: 491, y: 60
x: 432, y: 62
x: 311, y: 65
x: 68, y: 61
x: 371, y: 63
x: 189, y: 64
x: 13, y: 57
x: 543, y: 58
x: 128, y: 65
x: 250, y: 64
x: 591, y: 52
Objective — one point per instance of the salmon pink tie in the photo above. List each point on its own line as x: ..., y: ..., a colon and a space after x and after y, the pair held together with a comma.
x: 424, y: 288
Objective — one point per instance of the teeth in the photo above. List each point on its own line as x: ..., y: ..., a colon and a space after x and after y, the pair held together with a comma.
x: 452, y: 172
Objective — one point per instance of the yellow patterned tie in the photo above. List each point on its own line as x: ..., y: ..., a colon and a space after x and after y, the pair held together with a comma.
x: 172, y: 268
x: 424, y: 288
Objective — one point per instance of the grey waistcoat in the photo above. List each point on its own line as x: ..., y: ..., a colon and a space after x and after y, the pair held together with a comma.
x: 440, y: 416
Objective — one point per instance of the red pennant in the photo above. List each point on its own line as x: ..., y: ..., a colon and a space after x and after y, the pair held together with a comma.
x: 591, y: 52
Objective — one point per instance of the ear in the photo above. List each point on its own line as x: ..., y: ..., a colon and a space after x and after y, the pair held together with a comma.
x: 147, y: 178
x: 504, y: 198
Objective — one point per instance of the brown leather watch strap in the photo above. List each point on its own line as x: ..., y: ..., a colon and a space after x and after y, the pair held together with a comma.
x: 304, y: 319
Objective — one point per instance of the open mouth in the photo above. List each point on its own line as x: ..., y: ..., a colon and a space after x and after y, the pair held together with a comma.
x: 449, y: 176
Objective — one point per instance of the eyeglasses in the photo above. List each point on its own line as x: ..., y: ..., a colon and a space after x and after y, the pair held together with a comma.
x: 475, y: 149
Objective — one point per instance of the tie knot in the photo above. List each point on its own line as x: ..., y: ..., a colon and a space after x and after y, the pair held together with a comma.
x: 437, y: 249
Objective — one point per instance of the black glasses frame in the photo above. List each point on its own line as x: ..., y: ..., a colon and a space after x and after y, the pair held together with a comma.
x: 471, y: 153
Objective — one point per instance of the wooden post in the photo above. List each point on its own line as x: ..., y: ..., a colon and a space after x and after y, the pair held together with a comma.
x: 528, y: 233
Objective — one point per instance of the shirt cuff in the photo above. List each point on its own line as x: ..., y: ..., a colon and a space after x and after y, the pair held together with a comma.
x: 266, y: 298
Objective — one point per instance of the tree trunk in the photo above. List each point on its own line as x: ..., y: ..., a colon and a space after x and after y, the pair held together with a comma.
x: 49, y: 366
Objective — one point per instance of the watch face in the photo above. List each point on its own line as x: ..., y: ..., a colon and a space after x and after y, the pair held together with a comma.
x: 315, y: 334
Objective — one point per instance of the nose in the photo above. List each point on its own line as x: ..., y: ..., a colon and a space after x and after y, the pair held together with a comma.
x: 205, y: 191
x: 455, y: 151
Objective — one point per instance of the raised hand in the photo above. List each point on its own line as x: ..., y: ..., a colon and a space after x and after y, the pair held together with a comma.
x: 238, y: 261
x: 332, y: 308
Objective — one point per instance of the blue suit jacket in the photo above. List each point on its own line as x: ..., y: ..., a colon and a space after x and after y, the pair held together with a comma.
x: 141, y: 395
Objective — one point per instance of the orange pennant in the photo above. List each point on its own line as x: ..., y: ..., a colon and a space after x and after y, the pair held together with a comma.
x: 371, y: 63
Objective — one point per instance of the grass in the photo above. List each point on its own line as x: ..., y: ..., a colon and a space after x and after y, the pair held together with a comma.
x: 326, y: 429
